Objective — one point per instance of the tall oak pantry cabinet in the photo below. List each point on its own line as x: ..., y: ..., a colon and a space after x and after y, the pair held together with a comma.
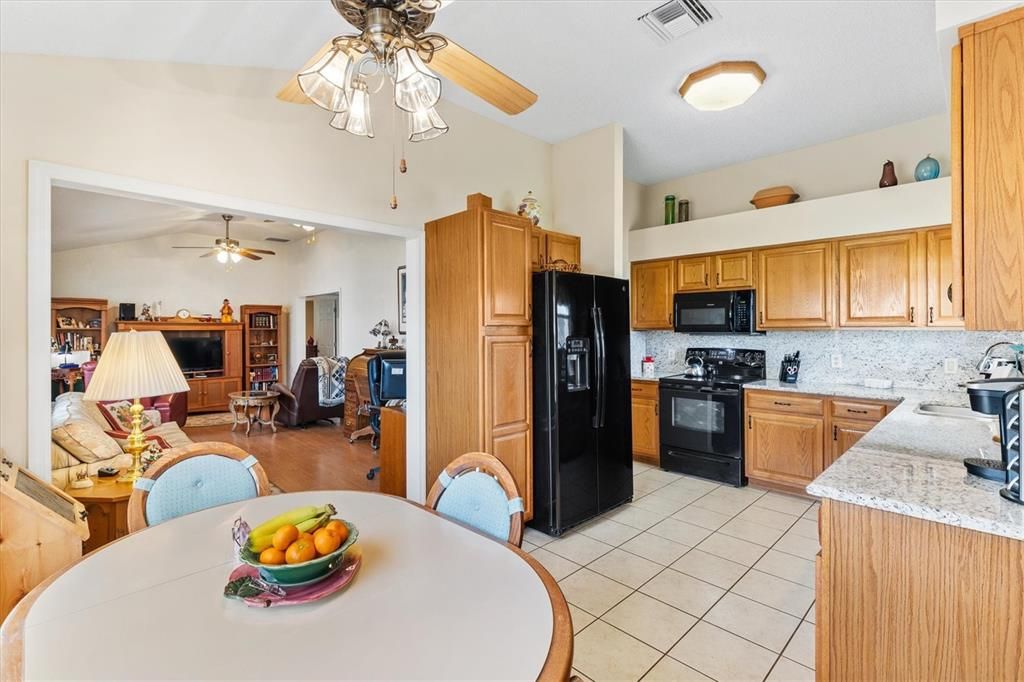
x: 479, y: 330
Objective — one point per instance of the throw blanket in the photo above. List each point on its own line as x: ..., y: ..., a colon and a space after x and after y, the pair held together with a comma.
x: 331, y: 380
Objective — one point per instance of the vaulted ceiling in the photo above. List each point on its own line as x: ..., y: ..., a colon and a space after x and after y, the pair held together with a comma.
x: 835, y: 68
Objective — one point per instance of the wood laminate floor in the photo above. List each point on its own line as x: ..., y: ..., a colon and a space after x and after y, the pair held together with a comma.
x: 315, y: 458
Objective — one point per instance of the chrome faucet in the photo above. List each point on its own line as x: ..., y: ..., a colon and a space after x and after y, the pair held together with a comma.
x: 988, y: 362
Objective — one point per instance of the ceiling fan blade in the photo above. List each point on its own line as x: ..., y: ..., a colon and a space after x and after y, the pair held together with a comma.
x: 190, y: 247
x: 209, y: 253
x: 468, y: 71
x: 269, y: 253
x: 291, y: 92
x: 247, y: 254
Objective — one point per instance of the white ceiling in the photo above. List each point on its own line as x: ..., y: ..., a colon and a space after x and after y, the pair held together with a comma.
x: 82, y: 219
x: 835, y: 67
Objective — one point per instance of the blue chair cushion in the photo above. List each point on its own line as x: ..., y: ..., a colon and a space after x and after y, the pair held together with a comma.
x: 477, y: 500
x: 198, y: 483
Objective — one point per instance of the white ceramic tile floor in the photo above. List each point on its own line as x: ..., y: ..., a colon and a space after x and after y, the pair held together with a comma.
x: 691, y: 581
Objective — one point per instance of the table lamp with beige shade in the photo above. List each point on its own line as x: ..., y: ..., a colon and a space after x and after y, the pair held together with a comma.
x: 135, y: 365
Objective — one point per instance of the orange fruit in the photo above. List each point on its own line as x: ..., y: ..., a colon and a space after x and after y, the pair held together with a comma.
x: 338, y: 526
x: 326, y: 541
x: 299, y: 551
x: 272, y: 555
x: 285, y: 536
x: 305, y: 536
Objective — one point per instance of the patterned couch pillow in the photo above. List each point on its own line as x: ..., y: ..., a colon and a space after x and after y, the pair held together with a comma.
x: 120, y: 417
x: 85, y: 441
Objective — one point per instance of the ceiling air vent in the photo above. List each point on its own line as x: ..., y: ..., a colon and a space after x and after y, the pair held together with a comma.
x: 678, y: 17
x: 279, y: 240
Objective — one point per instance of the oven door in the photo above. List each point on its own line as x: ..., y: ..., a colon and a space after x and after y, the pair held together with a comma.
x: 702, y: 419
x: 704, y: 312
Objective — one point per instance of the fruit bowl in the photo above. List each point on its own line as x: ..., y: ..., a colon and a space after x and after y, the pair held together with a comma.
x: 289, y: 574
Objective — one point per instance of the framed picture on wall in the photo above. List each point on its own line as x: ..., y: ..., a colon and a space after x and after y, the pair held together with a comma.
x: 401, y: 300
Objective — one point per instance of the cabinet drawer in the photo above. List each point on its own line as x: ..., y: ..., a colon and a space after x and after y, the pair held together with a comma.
x: 647, y: 390
x: 849, y: 409
x: 785, y: 402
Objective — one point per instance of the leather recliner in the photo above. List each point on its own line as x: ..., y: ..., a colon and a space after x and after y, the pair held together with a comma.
x: 172, y: 407
x: 300, y: 404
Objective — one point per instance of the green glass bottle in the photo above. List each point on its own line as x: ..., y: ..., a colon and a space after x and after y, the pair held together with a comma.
x: 670, y: 209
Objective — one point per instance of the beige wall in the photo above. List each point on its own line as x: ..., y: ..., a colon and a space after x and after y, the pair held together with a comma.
x: 843, y: 166
x: 220, y: 129
x: 633, y: 198
x: 587, y: 182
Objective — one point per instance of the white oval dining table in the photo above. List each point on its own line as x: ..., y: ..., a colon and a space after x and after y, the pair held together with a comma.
x: 431, y: 600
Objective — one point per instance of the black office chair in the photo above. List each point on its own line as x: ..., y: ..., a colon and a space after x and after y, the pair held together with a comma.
x: 386, y: 376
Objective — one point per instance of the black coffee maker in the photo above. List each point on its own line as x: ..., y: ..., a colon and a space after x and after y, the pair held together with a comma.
x: 1001, y: 397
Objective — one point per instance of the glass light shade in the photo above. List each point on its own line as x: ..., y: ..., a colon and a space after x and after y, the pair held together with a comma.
x: 722, y: 86
x: 135, y: 365
x: 222, y: 256
x: 235, y: 257
x: 426, y: 125
x: 416, y: 88
x: 356, y: 119
x: 326, y: 83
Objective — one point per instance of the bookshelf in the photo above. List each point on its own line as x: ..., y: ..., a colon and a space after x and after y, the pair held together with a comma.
x: 82, y: 321
x: 265, y: 337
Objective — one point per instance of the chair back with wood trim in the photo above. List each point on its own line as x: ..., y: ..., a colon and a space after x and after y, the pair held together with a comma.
x: 192, y: 478
x: 476, y: 489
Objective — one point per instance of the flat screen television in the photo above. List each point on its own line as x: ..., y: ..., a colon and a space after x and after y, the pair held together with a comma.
x: 197, y: 353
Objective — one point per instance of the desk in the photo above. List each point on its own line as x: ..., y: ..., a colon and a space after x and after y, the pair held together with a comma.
x: 432, y: 600
x: 392, y: 451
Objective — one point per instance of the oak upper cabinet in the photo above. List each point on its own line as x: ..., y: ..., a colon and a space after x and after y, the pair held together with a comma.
x: 538, y: 249
x: 783, y: 448
x: 734, y: 270
x: 478, y: 330
x: 988, y: 170
x: 562, y: 247
x: 644, y: 404
x: 795, y: 286
x: 652, y: 287
x: 939, y: 274
x: 880, y: 281
x: 506, y: 269
x: 693, y: 274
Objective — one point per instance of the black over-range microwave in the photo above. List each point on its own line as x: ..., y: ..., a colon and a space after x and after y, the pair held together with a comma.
x: 715, y: 312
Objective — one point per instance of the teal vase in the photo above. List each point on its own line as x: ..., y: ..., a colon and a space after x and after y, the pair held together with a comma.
x: 927, y: 169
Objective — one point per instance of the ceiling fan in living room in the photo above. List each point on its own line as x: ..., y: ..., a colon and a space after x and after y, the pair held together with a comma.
x: 393, y: 46
x: 228, y: 249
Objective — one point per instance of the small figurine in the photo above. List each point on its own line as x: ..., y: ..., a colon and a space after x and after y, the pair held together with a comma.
x: 82, y: 480
x: 146, y: 315
x: 226, y: 312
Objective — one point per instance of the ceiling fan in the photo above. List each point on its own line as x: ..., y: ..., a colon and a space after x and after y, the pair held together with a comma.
x: 393, y: 45
x: 227, y: 248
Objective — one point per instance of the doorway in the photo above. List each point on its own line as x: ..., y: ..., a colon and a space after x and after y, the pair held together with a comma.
x: 323, y: 323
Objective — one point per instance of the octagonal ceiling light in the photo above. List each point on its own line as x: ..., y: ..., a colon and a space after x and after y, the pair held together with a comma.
x: 722, y: 86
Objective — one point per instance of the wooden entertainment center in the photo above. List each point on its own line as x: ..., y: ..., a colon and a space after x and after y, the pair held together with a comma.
x: 208, y: 389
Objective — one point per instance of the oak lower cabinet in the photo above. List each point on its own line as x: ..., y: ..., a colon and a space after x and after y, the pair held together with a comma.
x: 644, y: 405
x: 796, y: 287
x: 211, y: 394
x: 652, y: 288
x: 478, y: 340
x: 881, y: 281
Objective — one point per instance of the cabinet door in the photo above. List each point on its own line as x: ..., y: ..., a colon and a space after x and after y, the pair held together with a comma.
x: 879, y: 282
x: 844, y: 435
x: 993, y: 174
x: 645, y: 429
x: 939, y: 270
x: 506, y: 269
x: 784, y: 448
x: 217, y: 391
x: 734, y: 270
x: 538, y: 249
x: 233, y: 353
x: 693, y: 274
x: 795, y: 287
x: 563, y: 247
x: 652, y: 287
x: 196, y: 394
x: 508, y: 408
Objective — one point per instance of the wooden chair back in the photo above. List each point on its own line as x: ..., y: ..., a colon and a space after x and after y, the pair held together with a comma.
x: 137, y: 504
x: 492, y: 466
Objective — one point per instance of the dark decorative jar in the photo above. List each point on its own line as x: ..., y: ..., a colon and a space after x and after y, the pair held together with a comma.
x: 888, y: 175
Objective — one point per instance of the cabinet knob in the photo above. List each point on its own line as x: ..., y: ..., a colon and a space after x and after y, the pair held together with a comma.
x: 835, y: 432
x: 931, y: 314
x: 718, y: 278
x: 705, y: 279
x: 911, y: 313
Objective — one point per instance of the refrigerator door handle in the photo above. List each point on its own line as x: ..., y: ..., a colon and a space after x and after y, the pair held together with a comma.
x: 602, y: 361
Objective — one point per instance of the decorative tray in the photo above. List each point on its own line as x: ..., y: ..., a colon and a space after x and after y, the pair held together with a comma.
x: 245, y: 584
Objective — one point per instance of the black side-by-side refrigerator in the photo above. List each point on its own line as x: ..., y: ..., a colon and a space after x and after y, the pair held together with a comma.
x: 582, y: 421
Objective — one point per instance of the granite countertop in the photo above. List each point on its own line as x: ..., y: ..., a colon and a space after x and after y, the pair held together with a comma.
x: 657, y: 375
x: 911, y: 463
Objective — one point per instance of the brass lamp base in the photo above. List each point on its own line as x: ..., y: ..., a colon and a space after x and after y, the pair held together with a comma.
x: 135, y: 446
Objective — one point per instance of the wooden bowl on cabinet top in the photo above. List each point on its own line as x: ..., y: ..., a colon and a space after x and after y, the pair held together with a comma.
x: 774, y: 196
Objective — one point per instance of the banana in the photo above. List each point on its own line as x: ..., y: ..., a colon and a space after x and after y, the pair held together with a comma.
x: 312, y: 524
x: 261, y: 536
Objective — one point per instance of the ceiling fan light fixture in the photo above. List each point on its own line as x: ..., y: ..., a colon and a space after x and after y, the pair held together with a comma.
x: 356, y: 119
x: 416, y: 88
x: 722, y: 86
x: 326, y: 83
x: 222, y: 256
x: 235, y: 256
x: 426, y: 125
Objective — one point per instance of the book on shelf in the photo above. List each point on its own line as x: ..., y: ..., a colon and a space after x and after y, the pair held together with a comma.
x: 263, y: 321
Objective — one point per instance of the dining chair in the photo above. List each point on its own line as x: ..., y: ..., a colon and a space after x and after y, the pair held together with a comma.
x: 476, y: 489
x: 192, y: 478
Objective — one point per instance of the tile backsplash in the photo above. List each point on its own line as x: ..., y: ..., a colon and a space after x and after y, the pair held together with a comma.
x: 910, y: 357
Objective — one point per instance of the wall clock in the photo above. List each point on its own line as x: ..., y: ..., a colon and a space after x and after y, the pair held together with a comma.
x: 183, y: 314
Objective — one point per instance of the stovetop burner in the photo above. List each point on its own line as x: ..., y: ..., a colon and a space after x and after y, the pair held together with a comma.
x: 726, y: 368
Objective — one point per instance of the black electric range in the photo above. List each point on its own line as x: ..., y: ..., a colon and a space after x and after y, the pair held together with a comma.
x: 701, y: 418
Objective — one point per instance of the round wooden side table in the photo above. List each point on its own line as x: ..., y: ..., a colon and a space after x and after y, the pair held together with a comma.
x: 248, y: 407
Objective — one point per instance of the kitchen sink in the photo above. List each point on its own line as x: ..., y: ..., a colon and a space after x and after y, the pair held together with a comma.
x: 933, y: 410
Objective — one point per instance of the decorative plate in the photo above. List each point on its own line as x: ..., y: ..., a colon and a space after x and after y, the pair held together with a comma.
x: 245, y: 584
x: 183, y: 314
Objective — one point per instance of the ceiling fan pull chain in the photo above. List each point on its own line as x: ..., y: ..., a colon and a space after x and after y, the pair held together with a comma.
x: 394, y: 175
